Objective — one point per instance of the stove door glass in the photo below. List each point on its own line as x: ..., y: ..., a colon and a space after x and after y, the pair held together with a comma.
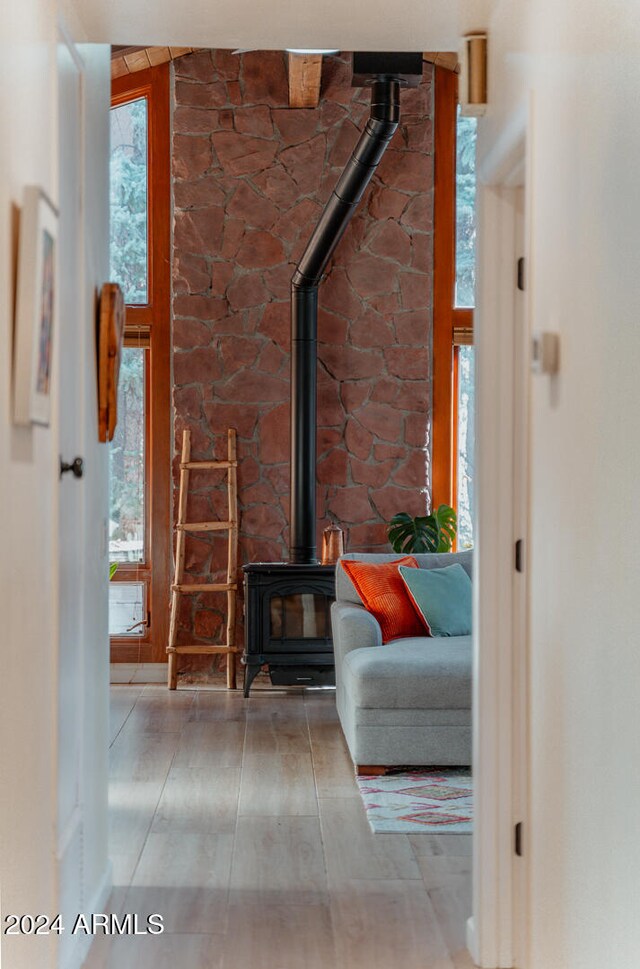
x: 299, y: 616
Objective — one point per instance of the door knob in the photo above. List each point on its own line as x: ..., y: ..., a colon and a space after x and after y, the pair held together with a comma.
x: 76, y: 467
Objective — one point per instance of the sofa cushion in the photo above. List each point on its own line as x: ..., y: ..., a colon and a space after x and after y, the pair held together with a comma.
x: 346, y: 591
x: 442, y: 597
x: 384, y: 595
x: 415, y: 673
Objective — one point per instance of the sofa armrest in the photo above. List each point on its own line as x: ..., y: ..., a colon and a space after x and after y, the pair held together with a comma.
x: 352, y: 627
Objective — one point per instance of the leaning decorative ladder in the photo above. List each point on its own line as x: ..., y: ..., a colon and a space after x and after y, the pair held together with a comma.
x: 231, y: 585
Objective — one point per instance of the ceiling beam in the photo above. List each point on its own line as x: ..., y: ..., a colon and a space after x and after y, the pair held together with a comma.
x: 119, y: 50
x: 130, y: 60
x: 446, y: 59
x: 305, y: 72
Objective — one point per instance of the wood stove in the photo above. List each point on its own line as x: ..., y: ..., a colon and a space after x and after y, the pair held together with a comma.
x: 287, y: 623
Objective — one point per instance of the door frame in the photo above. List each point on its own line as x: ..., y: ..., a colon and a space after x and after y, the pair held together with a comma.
x: 500, y: 683
x: 154, y: 85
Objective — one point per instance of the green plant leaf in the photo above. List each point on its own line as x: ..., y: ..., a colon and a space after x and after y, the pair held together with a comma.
x: 407, y: 534
x: 447, y: 524
x: 425, y: 533
x: 113, y: 568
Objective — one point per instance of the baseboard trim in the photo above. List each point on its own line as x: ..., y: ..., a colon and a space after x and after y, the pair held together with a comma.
x: 103, y: 891
x: 472, y: 942
x: 98, y: 903
x: 69, y: 831
x: 138, y: 673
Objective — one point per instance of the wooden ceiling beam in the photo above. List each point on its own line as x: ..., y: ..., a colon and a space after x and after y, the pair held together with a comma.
x: 119, y: 50
x: 447, y: 59
x: 130, y: 60
x: 305, y: 72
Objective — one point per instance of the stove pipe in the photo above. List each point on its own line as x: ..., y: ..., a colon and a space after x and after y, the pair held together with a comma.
x: 382, y: 123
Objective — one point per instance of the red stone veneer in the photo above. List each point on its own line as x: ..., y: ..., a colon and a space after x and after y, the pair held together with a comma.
x: 250, y: 177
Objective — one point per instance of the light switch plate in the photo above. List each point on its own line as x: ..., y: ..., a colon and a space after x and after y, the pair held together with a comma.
x: 545, y: 353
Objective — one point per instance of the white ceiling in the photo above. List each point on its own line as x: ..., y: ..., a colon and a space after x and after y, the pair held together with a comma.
x: 343, y: 24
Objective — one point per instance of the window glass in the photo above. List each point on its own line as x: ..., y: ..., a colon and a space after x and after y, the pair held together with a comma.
x: 127, y: 609
x: 465, y: 212
x: 466, y: 436
x: 128, y: 200
x: 127, y: 463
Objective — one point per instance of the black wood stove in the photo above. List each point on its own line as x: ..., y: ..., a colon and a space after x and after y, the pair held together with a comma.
x: 287, y: 623
x: 287, y: 604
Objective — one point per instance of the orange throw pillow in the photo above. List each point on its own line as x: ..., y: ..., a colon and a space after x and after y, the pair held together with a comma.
x: 385, y: 596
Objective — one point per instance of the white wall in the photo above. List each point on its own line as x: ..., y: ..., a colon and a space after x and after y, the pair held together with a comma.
x: 577, y: 66
x: 27, y: 684
x: 32, y: 876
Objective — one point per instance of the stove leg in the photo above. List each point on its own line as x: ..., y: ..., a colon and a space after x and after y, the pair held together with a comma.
x: 250, y: 673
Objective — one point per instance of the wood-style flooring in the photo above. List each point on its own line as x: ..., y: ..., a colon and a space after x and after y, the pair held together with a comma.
x: 239, y: 821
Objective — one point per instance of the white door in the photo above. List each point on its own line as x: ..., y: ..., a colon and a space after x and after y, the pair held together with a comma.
x: 71, y: 488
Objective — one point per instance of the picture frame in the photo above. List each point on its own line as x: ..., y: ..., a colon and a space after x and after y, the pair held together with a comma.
x: 36, y: 308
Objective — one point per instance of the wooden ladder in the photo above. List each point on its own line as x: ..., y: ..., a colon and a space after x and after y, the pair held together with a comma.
x: 231, y: 585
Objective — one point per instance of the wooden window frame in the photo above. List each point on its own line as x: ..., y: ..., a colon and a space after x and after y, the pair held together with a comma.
x: 452, y: 327
x: 153, y: 320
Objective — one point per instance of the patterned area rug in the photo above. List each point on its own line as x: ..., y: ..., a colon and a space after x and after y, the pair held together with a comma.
x: 419, y: 802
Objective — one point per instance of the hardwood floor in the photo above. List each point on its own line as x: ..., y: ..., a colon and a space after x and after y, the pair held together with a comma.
x: 239, y: 821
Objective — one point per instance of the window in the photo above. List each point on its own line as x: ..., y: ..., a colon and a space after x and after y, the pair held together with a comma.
x: 464, y: 424
x: 129, y: 199
x: 139, y: 458
x: 127, y: 462
x: 465, y: 280
x: 464, y: 354
x: 454, y: 300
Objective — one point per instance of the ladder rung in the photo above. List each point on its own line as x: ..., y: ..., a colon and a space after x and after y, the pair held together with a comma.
x: 207, y: 465
x: 205, y: 526
x: 205, y: 587
x: 198, y: 650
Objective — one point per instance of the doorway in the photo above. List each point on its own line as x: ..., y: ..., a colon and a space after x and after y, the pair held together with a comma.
x: 500, y: 743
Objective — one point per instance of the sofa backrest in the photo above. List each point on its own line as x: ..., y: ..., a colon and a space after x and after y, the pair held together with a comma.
x: 345, y: 591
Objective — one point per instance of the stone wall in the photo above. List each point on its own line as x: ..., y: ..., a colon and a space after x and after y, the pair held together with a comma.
x: 250, y: 177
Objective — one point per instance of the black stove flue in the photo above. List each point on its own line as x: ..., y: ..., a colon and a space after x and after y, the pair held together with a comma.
x: 380, y: 128
x: 287, y: 604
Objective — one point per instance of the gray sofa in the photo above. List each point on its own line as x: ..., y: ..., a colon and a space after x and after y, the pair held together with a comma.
x: 407, y: 702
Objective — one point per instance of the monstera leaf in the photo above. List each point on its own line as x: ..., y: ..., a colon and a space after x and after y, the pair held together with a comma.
x: 447, y: 524
x: 428, y: 533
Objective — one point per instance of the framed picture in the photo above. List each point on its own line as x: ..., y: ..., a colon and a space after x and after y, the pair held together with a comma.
x: 36, y: 305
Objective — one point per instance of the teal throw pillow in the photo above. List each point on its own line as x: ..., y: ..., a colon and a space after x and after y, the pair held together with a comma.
x: 442, y: 597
